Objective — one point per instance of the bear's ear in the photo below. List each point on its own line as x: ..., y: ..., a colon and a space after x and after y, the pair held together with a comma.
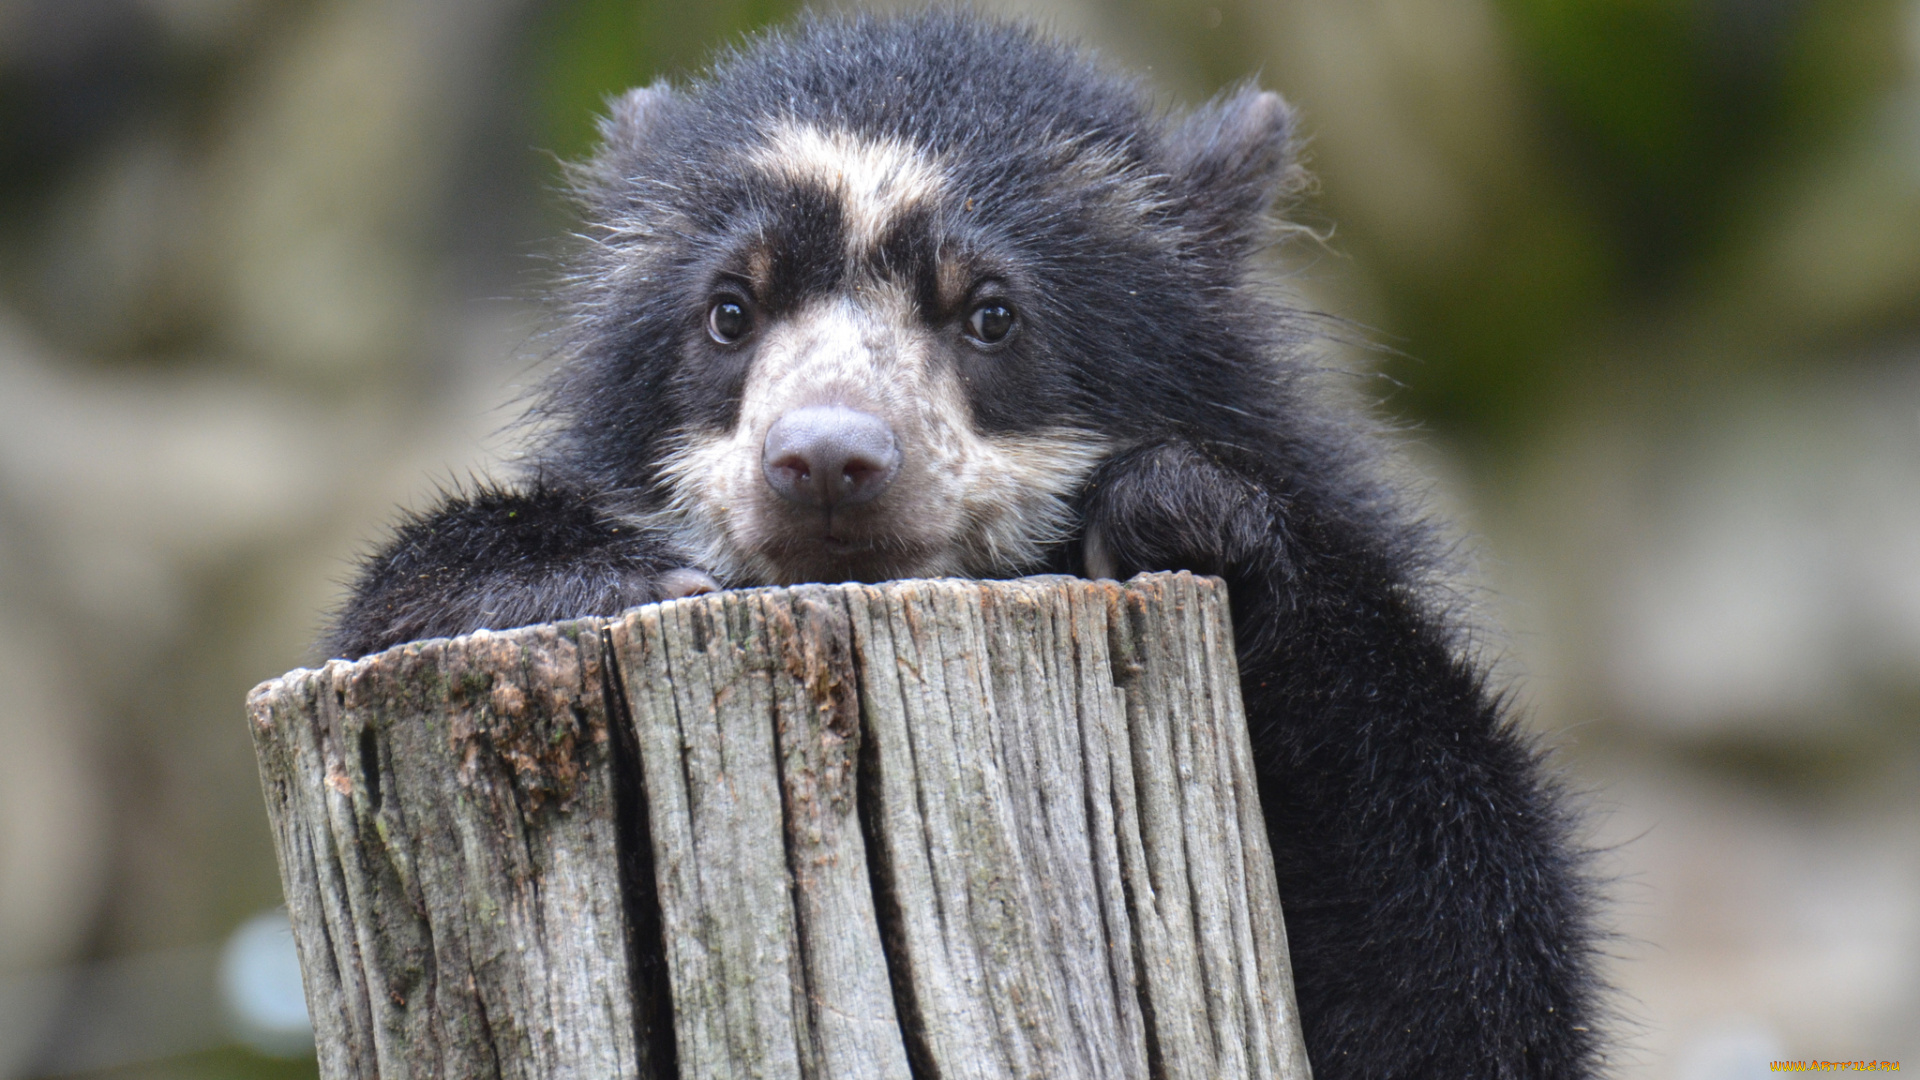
x: 1231, y: 159
x: 629, y: 115
x: 624, y: 132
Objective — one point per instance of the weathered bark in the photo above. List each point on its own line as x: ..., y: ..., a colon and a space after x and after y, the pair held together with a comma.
x: 927, y: 828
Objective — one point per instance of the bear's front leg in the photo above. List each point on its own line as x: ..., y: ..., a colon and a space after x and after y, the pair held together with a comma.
x: 1434, y: 901
x: 498, y: 558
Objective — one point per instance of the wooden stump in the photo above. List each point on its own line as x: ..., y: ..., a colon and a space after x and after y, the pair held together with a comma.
x: 920, y: 829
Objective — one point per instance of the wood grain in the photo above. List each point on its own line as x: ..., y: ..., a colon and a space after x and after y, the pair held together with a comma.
x: 926, y: 828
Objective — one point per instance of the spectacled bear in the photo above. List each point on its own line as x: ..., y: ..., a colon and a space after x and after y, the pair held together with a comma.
x: 887, y: 297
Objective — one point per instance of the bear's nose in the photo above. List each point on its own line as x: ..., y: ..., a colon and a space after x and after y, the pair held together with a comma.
x: 830, y: 455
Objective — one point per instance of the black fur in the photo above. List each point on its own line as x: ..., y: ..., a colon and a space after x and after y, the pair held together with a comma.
x: 1436, y: 906
x: 498, y: 558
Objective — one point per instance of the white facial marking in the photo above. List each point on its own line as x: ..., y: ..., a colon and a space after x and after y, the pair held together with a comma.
x: 876, y: 178
x: 962, y: 503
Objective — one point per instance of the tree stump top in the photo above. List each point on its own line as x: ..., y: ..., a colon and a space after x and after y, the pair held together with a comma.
x: 925, y: 828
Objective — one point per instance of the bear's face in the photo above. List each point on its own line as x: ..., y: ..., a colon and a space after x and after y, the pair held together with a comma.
x: 860, y: 332
x: 848, y: 313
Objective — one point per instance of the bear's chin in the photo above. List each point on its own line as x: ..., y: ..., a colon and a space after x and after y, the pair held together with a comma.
x: 830, y: 560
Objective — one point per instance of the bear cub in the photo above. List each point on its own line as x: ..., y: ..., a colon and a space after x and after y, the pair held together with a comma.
x: 886, y: 297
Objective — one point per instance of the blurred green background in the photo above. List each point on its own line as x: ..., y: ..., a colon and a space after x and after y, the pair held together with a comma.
x: 1637, y: 283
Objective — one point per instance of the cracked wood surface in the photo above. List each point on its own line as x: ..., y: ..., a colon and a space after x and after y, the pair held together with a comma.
x: 922, y: 829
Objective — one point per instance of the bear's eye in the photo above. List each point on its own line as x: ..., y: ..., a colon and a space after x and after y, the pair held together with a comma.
x: 990, y: 321
x: 728, y: 320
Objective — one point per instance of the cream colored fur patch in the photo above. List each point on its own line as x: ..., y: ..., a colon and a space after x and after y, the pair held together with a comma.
x: 963, y: 503
x: 877, y: 179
